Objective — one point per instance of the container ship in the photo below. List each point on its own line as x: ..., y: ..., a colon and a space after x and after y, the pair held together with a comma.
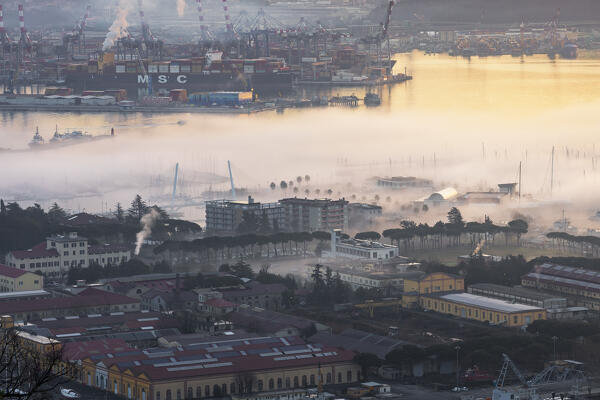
x: 265, y: 76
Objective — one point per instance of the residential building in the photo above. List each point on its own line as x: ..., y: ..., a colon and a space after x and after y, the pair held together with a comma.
x: 225, y: 216
x: 580, y: 286
x: 264, y: 295
x: 359, y: 249
x: 309, y: 215
x: 17, y: 280
x: 90, y: 301
x: 59, y: 253
x: 159, y: 300
x: 215, y: 367
x: 361, y: 215
x: 484, y: 309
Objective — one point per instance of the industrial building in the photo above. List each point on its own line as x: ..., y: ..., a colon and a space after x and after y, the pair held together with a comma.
x: 17, y: 280
x: 361, y: 278
x: 518, y: 295
x: 213, y: 367
x: 309, y: 215
x: 359, y: 249
x: 580, y: 286
x: 484, y: 309
x: 403, y: 182
x: 59, y: 253
x: 225, y: 216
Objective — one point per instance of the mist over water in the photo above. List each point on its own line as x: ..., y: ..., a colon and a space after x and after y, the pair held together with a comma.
x: 463, y: 123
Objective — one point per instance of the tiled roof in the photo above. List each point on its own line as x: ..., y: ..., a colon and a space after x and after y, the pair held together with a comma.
x: 11, y: 272
x: 219, y: 303
x: 107, y: 248
x: 87, y: 298
x: 37, y: 251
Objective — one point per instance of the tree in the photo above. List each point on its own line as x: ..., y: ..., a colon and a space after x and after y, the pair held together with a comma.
x: 27, y: 372
x: 306, y: 178
x: 119, y: 213
x: 299, y: 179
x: 273, y: 186
x: 138, y: 208
x: 368, y: 236
x: 3, y: 207
x: 56, y: 214
x: 455, y: 217
x: 283, y: 185
x: 162, y: 213
x: 366, y: 361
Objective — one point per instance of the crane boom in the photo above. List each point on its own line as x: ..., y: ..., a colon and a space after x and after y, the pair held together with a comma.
x: 388, y: 16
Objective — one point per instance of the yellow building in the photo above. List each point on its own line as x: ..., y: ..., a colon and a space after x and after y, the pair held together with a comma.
x: 434, y: 283
x: 484, y: 309
x: 17, y: 280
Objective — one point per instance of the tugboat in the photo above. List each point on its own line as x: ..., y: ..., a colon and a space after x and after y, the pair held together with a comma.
x: 37, y: 139
x: 372, y: 100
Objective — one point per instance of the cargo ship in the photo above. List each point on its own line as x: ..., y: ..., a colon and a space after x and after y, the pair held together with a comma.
x: 64, y: 139
x: 265, y: 76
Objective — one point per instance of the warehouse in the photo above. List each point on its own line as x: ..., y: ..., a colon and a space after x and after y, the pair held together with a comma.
x: 579, y: 285
x: 519, y: 295
x: 484, y: 309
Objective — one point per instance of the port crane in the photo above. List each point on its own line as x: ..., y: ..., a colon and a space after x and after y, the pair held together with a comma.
x: 380, y: 37
x: 77, y: 35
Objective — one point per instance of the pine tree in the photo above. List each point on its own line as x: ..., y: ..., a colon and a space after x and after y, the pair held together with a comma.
x: 56, y: 214
x: 2, y: 207
x: 138, y: 208
x: 119, y: 213
x: 455, y: 217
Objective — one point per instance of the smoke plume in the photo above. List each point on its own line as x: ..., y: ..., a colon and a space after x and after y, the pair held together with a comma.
x: 147, y: 222
x: 117, y: 29
x: 180, y: 7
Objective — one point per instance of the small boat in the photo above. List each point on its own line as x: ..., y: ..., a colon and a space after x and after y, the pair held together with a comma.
x: 372, y: 99
x: 69, y: 393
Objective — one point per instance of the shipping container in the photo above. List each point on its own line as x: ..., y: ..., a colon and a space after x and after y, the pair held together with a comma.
x: 163, y: 68
x: 120, y: 69
x: 153, y: 68
x: 178, y: 95
x: 174, y: 68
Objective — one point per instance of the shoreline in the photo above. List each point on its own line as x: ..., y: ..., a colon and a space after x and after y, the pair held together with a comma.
x: 135, y: 109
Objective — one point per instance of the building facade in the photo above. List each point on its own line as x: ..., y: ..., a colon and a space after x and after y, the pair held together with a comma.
x: 363, y: 214
x: 59, y: 253
x: 519, y: 295
x: 225, y: 216
x: 309, y: 215
x: 16, y: 280
x: 436, y: 282
x: 483, y: 309
x: 359, y: 249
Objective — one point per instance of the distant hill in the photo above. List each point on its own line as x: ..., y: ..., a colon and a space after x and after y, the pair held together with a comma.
x: 493, y: 11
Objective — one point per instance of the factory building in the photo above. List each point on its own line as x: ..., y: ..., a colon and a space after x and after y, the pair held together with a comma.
x: 225, y: 216
x: 359, y: 249
x: 16, y: 280
x: 403, y: 182
x: 59, y: 253
x: 309, y: 215
x: 360, y: 278
x: 518, y: 295
x: 436, y: 282
x: 580, y: 286
x: 484, y: 309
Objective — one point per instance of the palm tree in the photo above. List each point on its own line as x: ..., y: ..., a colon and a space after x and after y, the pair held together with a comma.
x: 283, y: 185
x: 299, y: 179
x: 307, y: 192
x: 273, y: 186
x: 306, y: 178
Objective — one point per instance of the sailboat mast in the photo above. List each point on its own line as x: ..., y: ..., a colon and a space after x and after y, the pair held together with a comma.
x: 552, y: 173
x: 520, y: 182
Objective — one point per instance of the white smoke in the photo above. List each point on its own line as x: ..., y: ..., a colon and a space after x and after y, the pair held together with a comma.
x: 117, y: 30
x: 180, y: 7
x: 147, y: 222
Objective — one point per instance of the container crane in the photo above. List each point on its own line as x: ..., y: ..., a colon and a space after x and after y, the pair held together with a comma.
x: 77, y: 34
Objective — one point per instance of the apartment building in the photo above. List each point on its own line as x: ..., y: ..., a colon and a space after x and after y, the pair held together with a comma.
x: 16, y: 280
x: 309, y: 215
x: 225, y: 216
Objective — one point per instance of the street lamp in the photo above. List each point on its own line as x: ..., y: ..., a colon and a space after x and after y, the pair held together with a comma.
x: 457, y: 348
x: 554, y: 339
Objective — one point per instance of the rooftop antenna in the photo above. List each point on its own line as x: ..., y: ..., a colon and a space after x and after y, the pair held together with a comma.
x: 231, y: 180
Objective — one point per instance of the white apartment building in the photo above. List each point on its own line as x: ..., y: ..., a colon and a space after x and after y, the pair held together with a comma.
x: 59, y: 253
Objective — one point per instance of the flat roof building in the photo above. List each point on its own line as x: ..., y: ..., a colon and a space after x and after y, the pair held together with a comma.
x: 225, y: 216
x: 18, y: 280
x: 309, y: 215
x: 484, y: 309
x: 359, y: 249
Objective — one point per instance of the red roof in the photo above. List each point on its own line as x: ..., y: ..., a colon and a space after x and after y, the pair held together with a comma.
x: 219, y: 303
x: 88, y: 298
x: 10, y: 271
x: 37, y: 251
